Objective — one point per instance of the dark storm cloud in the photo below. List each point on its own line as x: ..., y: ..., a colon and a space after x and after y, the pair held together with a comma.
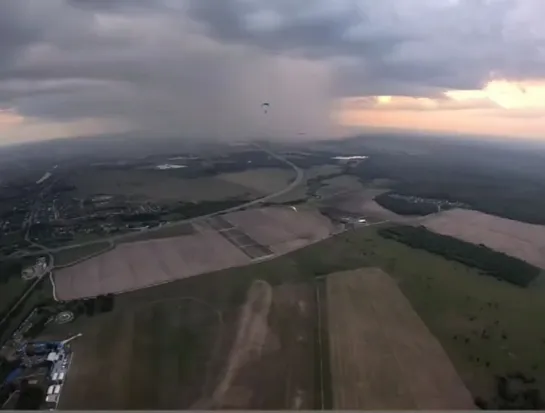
x: 203, y: 66
x: 288, y: 27
x: 18, y: 29
x: 416, y: 44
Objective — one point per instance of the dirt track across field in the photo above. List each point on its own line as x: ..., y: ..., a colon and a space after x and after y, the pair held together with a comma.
x: 518, y: 239
x: 271, y: 362
x: 382, y: 354
x: 250, y: 338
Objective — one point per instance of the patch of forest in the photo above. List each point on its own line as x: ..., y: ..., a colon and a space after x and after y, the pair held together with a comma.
x: 403, y: 206
x: 506, y: 187
x: 490, y: 262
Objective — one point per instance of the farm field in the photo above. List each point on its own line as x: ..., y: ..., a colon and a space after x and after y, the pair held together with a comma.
x: 144, y: 263
x: 155, y: 356
x: 262, y: 180
x: 11, y: 288
x: 339, y: 184
x: 282, y: 229
x: 165, y: 232
x: 274, y: 341
x: 42, y: 294
x: 159, y: 185
x: 455, y: 302
x: 68, y: 256
x: 361, y: 201
x: 382, y: 354
x: 183, y: 353
x: 300, y: 192
x: 518, y: 239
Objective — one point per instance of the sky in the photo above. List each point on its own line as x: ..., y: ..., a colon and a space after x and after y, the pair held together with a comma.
x: 202, y: 68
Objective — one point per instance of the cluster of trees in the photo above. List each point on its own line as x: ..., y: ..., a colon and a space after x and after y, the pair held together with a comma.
x: 30, y: 397
x: 511, y: 185
x: 514, y: 391
x: 316, y: 158
x: 92, y: 306
x: 314, y: 184
x: 403, y: 206
x: 191, y: 209
x: 6, y: 367
x: 7, y: 325
x: 490, y: 262
x: 232, y: 162
x: 44, y: 311
x: 185, y: 210
x: 10, y: 268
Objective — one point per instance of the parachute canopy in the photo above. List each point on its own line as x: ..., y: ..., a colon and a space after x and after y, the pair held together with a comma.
x: 265, y: 106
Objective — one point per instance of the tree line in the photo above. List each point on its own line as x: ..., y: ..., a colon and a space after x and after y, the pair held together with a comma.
x: 404, y: 206
x: 490, y: 262
x: 89, y: 307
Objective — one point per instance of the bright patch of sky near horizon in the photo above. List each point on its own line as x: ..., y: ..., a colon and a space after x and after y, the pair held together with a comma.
x: 201, y: 68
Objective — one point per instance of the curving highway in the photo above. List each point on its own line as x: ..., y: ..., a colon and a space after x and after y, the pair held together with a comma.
x: 296, y: 182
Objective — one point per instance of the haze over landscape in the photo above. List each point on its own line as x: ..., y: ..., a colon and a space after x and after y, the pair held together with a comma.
x: 272, y: 204
x: 200, y: 68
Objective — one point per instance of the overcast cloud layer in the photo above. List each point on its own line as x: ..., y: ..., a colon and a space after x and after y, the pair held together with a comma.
x: 201, y: 68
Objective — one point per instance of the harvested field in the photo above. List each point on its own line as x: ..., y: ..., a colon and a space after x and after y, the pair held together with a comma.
x: 382, y: 354
x: 282, y: 229
x: 263, y: 180
x: 136, y: 265
x: 518, y: 239
x: 239, y: 239
x: 141, y: 264
x: 339, y: 184
x: 271, y: 362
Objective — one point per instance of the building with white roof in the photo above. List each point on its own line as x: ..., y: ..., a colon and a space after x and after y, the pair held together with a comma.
x: 52, y: 398
x: 52, y: 356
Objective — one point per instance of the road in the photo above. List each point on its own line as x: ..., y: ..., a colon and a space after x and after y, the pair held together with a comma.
x: 47, y: 271
x: 296, y: 182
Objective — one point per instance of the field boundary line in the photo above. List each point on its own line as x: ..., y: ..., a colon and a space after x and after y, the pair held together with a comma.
x: 320, y: 344
x: 252, y: 262
x: 110, y: 247
x: 53, y: 286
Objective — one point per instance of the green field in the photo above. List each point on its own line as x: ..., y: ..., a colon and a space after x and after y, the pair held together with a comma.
x: 142, y: 358
x: 501, y: 322
x: 42, y: 294
x: 69, y: 256
x: 488, y: 327
x: 10, y: 290
x: 157, y: 185
x: 300, y: 192
x: 165, y: 232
